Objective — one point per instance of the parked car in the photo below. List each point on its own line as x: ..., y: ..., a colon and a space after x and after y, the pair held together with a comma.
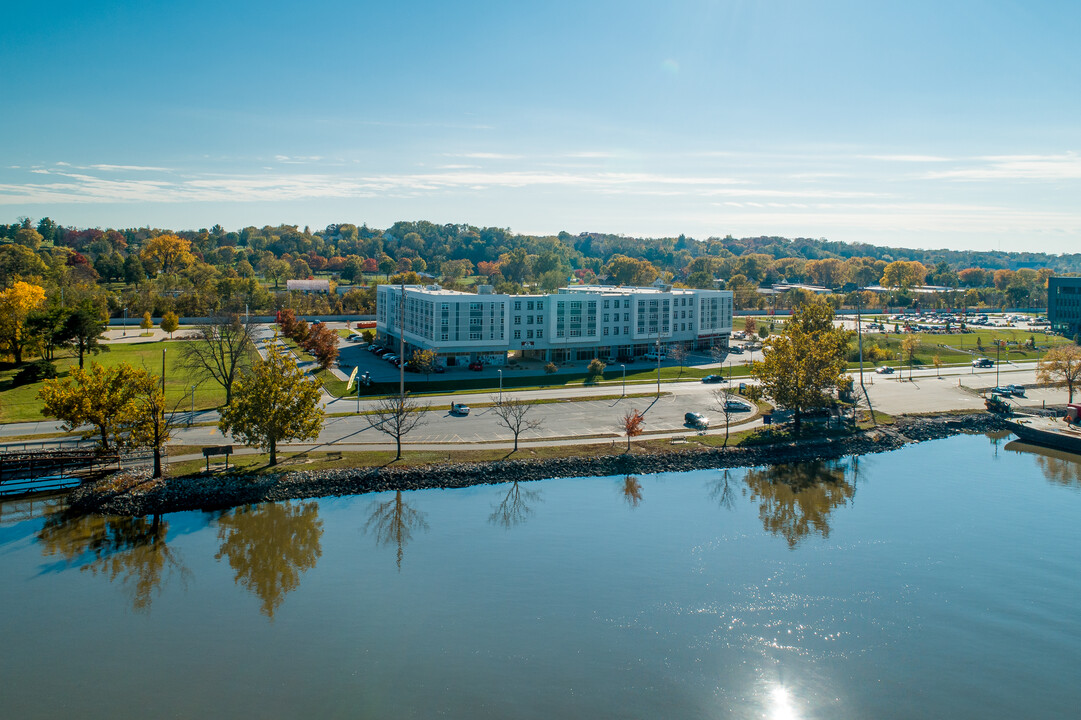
x: 712, y: 379
x: 983, y: 363
x: 737, y: 406
x: 476, y: 365
x: 390, y: 357
x: 696, y: 420
x: 885, y: 370
x: 355, y: 338
x: 439, y: 369
x: 735, y: 350
x: 459, y: 409
x: 654, y: 355
x: 1017, y: 390
x: 1003, y: 391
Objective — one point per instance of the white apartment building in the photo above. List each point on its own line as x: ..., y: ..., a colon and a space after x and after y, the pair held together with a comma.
x: 576, y: 323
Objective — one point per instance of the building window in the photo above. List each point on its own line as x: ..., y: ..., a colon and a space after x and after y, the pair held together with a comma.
x: 615, y: 330
x: 529, y: 305
x: 529, y: 320
x: 517, y: 319
x: 446, y: 336
x: 529, y: 334
x: 606, y: 331
x: 517, y: 304
x: 540, y: 319
x: 606, y: 304
x: 475, y: 336
x: 517, y: 334
x: 606, y: 317
x: 540, y: 333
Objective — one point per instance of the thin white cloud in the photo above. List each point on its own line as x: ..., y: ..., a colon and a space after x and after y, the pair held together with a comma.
x: 125, y: 168
x: 908, y: 158
x: 484, y: 156
x: 1066, y: 166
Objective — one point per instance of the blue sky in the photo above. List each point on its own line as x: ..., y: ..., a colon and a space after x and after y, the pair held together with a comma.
x: 924, y: 124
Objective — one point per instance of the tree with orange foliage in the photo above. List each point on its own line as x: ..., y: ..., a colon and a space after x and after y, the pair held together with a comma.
x: 632, y: 425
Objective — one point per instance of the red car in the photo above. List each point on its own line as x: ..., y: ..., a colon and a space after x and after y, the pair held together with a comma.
x: 476, y: 365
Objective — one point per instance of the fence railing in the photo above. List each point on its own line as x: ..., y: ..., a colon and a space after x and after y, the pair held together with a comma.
x: 23, y: 472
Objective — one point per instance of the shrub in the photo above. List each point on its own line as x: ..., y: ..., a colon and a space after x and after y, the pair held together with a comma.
x: 551, y: 368
x: 596, y: 369
x: 34, y: 372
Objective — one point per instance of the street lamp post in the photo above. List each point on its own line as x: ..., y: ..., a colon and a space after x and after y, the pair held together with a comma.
x: 998, y: 353
x: 624, y: 369
x: 500, y: 371
x: 125, y: 322
x: 191, y: 420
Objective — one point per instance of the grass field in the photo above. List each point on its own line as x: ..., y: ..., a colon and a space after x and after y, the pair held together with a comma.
x: 20, y: 404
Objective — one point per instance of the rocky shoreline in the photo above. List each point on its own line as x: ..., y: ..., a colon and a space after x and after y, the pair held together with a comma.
x: 202, y: 492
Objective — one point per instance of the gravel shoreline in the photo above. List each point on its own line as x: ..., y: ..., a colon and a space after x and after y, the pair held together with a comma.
x: 201, y: 492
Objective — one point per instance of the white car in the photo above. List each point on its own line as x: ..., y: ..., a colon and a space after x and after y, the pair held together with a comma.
x: 459, y: 409
x: 885, y: 370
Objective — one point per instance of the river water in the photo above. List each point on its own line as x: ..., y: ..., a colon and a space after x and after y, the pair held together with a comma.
x: 942, y: 580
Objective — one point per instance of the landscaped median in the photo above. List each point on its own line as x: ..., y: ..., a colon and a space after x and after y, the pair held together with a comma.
x: 138, y: 494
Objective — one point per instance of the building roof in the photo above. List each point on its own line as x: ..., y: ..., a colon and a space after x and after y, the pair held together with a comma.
x: 323, y: 285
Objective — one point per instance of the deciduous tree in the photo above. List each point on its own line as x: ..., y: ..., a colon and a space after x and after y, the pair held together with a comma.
x: 1061, y: 364
x: 513, y: 414
x: 322, y: 343
x: 147, y: 323
x: 276, y: 403
x: 166, y: 254
x: 169, y: 322
x: 800, y: 366
x: 16, y: 304
x: 631, y: 424
x: 423, y: 361
x: 102, y: 397
x: 220, y: 352
x: 397, y: 416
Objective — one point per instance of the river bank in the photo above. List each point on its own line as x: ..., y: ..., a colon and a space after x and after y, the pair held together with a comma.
x: 134, y: 495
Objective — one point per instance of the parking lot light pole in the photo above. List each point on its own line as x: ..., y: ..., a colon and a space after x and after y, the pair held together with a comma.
x: 624, y: 368
x: 125, y: 322
x: 192, y: 420
x: 500, y: 371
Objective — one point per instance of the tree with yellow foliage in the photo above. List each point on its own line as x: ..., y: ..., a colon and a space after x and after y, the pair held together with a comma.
x: 16, y: 303
x: 166, y: 254
x: 801, y: 366
x: 103, y: 397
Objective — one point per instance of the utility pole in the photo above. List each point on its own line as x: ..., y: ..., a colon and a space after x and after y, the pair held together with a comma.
x: 859, y: 335
x: 163, y: 372
x: 998, y: 353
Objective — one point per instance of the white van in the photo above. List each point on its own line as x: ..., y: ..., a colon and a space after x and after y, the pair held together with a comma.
x: 653, y: 355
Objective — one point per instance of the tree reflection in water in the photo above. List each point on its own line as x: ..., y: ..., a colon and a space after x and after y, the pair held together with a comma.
x: 796, y: 499
x: 723, y: 491
x: 268, y: 547
x: 514, y: 509
x: 632, y: 490
x: 393, y: 523
x: 132, y: 549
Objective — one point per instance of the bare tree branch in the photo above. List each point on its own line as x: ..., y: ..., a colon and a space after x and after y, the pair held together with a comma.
x: 513, y: 414
x: 220, y: 351
x: 397, y: 416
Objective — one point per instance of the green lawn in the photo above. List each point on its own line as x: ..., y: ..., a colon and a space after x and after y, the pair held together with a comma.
x: 958, y: 348
x: 20, y: 404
